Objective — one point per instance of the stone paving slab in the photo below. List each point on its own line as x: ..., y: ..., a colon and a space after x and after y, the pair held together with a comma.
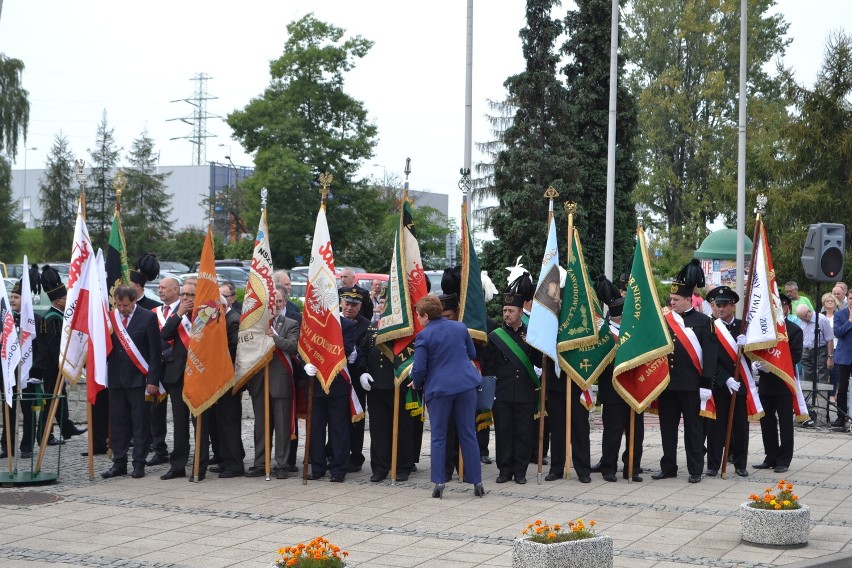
x: 149, y: 523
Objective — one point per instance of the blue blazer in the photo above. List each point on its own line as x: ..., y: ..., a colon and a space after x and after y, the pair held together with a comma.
x: 843, y: 333
x: 443, y: 360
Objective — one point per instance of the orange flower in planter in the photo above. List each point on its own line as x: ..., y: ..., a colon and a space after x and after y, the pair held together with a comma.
x: 318, y: 553
x: 541, y: 532
x: 786, y: 500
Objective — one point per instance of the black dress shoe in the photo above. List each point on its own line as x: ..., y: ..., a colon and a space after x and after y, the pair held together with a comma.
x: 138, y: 471
x: 173, y: 474
x: 377, y: 477
x: 293, y: 469
x: 353, y: 468
x: 115, y: 471
x: 438, y: 491
x: 314, y: 476
x: 596, y: 468
x: 52, y: 441
x: 401, y: 477
x: 585, y: 479
x: 763, y: 465
x: 215, y: 460
x: 73, y: 431
x: 610, y: 477
x: 711, y: 472
x: 552, y: 477
x: 781, y: 468
x: 479, y: 490
x: 663, y: 475
x: 742, y: 472
x: 520, y: 480
x: 695, y: 479
x: 337, y: 478
x: 229, y: 474
x: 215, y: 469
x: 25, y: 454
x: 414, y: 468
x: 96, y: 453
x: 157, y: 460
x: 486, y: 460
x: 636, y: 478
x: 257, y: 472
x: 503, y: 478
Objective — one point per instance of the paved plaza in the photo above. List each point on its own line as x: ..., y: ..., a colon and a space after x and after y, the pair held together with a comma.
x: 243, y: 521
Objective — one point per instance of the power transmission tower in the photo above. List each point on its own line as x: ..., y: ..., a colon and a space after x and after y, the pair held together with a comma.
x: 198, y: 119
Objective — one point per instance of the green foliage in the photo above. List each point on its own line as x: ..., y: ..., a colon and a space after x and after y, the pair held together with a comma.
x: 14, y: 105
x: 145, y: 204
x: 184, y: 246
x: 9, y: 223
x: 302, y: 125
x: 687, y: 79
x: 242, y: 249
x: 31, y: 243
x: 100, y: 193
x: 58, y: 201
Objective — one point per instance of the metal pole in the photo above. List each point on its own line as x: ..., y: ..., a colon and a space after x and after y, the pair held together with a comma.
x: 468, y: 88
x: 741, y: 151
x: 609, y: 244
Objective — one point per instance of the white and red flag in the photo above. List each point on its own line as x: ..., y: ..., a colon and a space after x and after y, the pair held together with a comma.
x: 28, y: 327
x: 74, y: 343
x: 321, y: 335
x: 10, y: 348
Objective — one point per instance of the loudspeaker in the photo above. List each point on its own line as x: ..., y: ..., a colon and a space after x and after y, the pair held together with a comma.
x: 822, y: 256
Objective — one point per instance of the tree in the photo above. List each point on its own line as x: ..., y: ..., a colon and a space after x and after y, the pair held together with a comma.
x: 304, y: 124
x: 537, y: 150
x: 687, y: 79
x: 14, y: 105
x: 57, y: 200
x: 100, y: 202
x: 10, y: 226
x: 146, y: 204
x: 587, y: 80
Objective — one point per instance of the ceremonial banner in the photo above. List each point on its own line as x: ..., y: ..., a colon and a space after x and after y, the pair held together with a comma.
x: 10, y: 349
x: 471, y: 298
x: 641, y: 364
x: 90, y: 318
x: 585, y: 364
x: 754, y: 408
x: 407, y: 284
x: 321, y: 336
x: 209, y: 371
x: 28, y: 327
x: 117, y: 269
x: 254, y: 349
x: 75, y: 342
x: 766, y: 329
x: 543, y: 322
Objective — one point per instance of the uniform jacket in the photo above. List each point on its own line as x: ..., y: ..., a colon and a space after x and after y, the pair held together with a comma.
x: 280, y: 379
x: 443, y: 360
x: 147, y: 303
x: 513, y: 383
x: 145, y: 334
x: 725, y: 365
x: 49, y: 337
x: 174, y: 363
x: 684, y: 375
x: 771, y: 384
x: 339, y: 386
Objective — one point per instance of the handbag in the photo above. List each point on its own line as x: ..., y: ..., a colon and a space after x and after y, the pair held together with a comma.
x: 485, y: 393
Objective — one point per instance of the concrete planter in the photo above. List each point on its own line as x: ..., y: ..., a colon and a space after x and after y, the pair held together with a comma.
x: 775, y: 528
x: 588, y: 553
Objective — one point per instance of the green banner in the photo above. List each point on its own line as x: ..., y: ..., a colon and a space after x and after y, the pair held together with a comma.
x: 471, y: 298
x: 585, y: 364
x: 117, y: 269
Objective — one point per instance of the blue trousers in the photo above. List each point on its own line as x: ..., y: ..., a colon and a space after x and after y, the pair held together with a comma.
x: 461, y: 409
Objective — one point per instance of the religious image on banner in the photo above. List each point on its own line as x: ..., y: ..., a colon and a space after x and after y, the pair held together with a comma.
x: 543, y: 323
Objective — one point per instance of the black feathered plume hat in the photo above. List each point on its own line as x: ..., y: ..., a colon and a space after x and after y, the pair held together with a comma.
x: 51, y: 283
x: 147, y: 268
x: 521, y: 288
x: 451, y: 288
x: 609, y: 295
x: 690, y: 277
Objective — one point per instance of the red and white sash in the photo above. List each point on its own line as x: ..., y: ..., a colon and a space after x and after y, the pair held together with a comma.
x: 689, y: 340
x: 355, y: 408
x: 754, y: 408
x: 287, y: 361
x: 127, y: 343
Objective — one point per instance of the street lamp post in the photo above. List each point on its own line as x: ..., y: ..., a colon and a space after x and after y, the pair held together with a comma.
x: 24, y: 194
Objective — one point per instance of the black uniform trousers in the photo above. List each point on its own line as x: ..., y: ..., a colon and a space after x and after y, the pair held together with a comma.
x: 330, y: 413
x: 483, y: 437
x: 181, y: 417
x: 158, y: 410
x: 228, y: 411
x: 100, y: 422
x: 513, y: 436
x: 26, y: 405
x: 356, y: 429
x: 129, y: 418
x: 718, y: 428
x: 451, y: 458
x: 673, y: 405
x: 580, y: 445
x: 616, y: 425
x: 381, y: 433
x: 776, y: 426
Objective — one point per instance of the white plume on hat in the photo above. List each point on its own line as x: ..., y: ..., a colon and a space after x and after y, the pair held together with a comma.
x: 516, y: 271
x: 488, y: 287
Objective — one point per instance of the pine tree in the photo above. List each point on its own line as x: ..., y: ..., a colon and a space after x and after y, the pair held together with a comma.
x: 10, y: 225
x: 100, y: 198
x: 57, y: 200
x: 145, y: 204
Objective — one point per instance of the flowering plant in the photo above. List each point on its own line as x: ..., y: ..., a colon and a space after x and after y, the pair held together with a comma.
x: 786, y: 500
x: 541, y: 532
x: 318, y: 553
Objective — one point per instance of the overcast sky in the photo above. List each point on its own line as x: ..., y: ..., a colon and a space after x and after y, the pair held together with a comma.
x: 132, y: 59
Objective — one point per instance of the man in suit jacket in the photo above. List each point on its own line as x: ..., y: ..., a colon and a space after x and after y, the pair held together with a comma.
x: 228, y: 411
x: 776, y: 426
x: 133, y: 370
x: 350, y: 308
x: 176, y: 331
x: 285, y: 335
x: 843, y: 360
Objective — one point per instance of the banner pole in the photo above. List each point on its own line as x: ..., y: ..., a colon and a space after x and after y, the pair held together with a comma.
x: 570, y: 240
x: 9, y: 453
x: 266, y: 437
x: 306, y: 459
x: 395, y: 432
x: 90, y: 443
x: 51, y: 414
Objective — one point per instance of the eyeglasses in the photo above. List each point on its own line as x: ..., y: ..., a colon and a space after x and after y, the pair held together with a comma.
x: 186, y: 295
x: 279, y: 302
x: 229, y: 295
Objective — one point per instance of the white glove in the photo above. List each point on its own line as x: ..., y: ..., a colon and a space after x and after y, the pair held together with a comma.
x: 756, y: 367
x: 741, y: 340
x: 310, y: 370
x: 705, y: 394
x: 366, y: 381
x: 733, y: 385
x: 537, y: 371
x: 353, y: 355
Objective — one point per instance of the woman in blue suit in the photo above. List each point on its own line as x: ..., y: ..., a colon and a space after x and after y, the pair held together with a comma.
x: 443, y: 368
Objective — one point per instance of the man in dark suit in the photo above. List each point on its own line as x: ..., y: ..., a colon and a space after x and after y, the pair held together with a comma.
x: 350, y: 308
x: 133, y: 370
x: 228, y: 411
x: 176, y: 330
x: 776, y: 426
x: 285, y: 335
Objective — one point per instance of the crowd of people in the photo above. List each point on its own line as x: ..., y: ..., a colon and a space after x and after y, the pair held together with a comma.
x: 150, y: 345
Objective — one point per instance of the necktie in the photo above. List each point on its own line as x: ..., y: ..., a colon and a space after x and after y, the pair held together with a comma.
x: 166, y: 311
x: 124, y: 320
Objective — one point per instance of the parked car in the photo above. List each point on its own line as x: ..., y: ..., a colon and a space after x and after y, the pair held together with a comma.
x: 14, y: 270
x: 173, y: 266
x: 155, y: 283
x: 237, y: 275
x: 222, y: 262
